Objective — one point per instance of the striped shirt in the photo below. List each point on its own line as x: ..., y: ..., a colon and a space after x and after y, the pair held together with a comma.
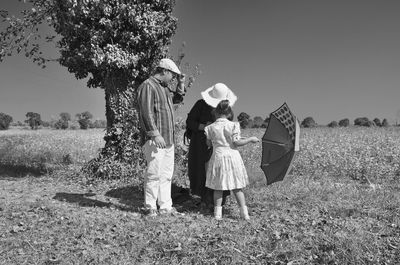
x: 156, y: 110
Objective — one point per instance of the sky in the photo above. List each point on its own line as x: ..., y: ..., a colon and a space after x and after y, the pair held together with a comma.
x: 329, y: 60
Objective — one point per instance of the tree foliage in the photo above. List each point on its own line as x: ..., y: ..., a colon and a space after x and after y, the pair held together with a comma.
x: 308, y: 122
x: 258, y: 122
x: 65, y: 116
x: 34, y: 120
x: 377, y: 122
x: 84, y: 119
x: 5, y: 121
x: 243, y: 119
x: 98, y: 124
x: 333, y: 124
x: 363, y: 121
x: 266, y: 121
x: 385, y: 123
x: 63, y: 122
x: 344, y: 122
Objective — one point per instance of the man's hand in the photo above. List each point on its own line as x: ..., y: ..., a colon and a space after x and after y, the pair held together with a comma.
x: 159, y: 141
x: 181, y: 83
x: 181, y: 79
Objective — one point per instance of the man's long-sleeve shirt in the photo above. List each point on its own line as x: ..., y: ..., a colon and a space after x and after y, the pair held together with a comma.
x: 156, y: 110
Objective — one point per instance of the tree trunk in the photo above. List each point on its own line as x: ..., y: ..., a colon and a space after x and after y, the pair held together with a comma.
x: 121, y: 155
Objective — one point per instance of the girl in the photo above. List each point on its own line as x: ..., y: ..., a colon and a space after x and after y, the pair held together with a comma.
x: 226, y: 170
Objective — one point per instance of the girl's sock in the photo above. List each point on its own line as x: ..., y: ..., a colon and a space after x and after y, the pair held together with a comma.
x: 218, y: 212
x: 244, y: 213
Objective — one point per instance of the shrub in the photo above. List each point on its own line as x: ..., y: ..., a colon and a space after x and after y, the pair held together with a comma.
x: 5, y: 121
x: 344, y: 122
x: 333, y: 124
x: 308, y: 123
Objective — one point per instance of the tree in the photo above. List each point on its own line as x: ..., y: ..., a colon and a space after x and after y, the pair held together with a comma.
x: 385, y: 123
x: 33, y: 120
x: 99, y: 124
x: 265, y: 123
x: 363, y: 121
x: 243, y: 120
x: 377, y: 122
x: 344, y: 122
x: 333, y: 124
x: 258, y: 122
x: 5, y: 121
x: 63, y: 122
x: 308, y: 123
x: 116, y: 45
x: 65, y: 116
x: 84, y: 119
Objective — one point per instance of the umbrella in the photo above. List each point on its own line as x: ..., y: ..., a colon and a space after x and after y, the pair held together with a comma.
x: 279, y: 144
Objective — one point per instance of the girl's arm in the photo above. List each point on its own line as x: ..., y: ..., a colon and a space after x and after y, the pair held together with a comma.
x: 244, y: 141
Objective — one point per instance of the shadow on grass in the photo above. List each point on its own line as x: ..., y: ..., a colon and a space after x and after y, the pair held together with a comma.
x: 80, y: 199
x: 129, y: 198
x: 83, y: 200
x: 133, y: 196
x: 14, y: 172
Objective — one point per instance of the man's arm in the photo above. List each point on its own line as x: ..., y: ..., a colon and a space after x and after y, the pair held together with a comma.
x: 180, y: 90
x: 146, y: 106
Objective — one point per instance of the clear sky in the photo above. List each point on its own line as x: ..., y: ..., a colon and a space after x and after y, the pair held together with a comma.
x: 327, y: 59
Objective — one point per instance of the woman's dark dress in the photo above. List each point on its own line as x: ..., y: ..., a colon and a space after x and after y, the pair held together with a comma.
x: 199, y: 153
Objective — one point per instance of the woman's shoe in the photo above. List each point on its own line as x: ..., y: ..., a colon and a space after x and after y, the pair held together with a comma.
x: 218, y: 212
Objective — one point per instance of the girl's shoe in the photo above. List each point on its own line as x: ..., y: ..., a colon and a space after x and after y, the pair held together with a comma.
x: 218, y: 212
x: 244, y: 213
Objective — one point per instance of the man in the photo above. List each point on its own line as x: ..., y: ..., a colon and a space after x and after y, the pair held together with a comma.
x: 156, y: 114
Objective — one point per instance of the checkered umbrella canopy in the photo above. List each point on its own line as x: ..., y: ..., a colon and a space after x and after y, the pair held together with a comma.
x: 279, y: 144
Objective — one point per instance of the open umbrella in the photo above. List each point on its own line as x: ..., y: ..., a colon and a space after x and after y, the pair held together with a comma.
x: 279, y: 144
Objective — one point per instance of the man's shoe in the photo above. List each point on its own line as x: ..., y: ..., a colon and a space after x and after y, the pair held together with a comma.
x: 171, y: 211
x: 151, y: 212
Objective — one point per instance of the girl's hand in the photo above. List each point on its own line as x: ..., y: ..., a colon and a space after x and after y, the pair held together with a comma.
x: 202, y: 126
x: 254, y: 139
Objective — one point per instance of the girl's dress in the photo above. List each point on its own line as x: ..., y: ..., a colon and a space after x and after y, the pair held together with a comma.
x: 226, y: 170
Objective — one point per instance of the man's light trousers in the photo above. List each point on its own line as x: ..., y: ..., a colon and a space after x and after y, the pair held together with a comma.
x: 158, y: 176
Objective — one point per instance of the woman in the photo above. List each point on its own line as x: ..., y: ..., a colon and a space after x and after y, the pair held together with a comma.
x: 198, y: 118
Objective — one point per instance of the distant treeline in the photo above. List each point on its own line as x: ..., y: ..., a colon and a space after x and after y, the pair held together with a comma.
x: 246, y: 121
x: 85, y: 120
x: 34, y: 121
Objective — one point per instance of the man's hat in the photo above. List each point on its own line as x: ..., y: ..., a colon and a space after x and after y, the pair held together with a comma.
x: 169, y: 65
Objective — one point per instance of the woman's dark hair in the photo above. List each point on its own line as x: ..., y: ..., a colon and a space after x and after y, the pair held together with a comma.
x: 223, y: 109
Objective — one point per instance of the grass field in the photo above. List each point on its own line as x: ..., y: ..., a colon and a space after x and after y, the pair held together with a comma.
x: 340, y: 205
